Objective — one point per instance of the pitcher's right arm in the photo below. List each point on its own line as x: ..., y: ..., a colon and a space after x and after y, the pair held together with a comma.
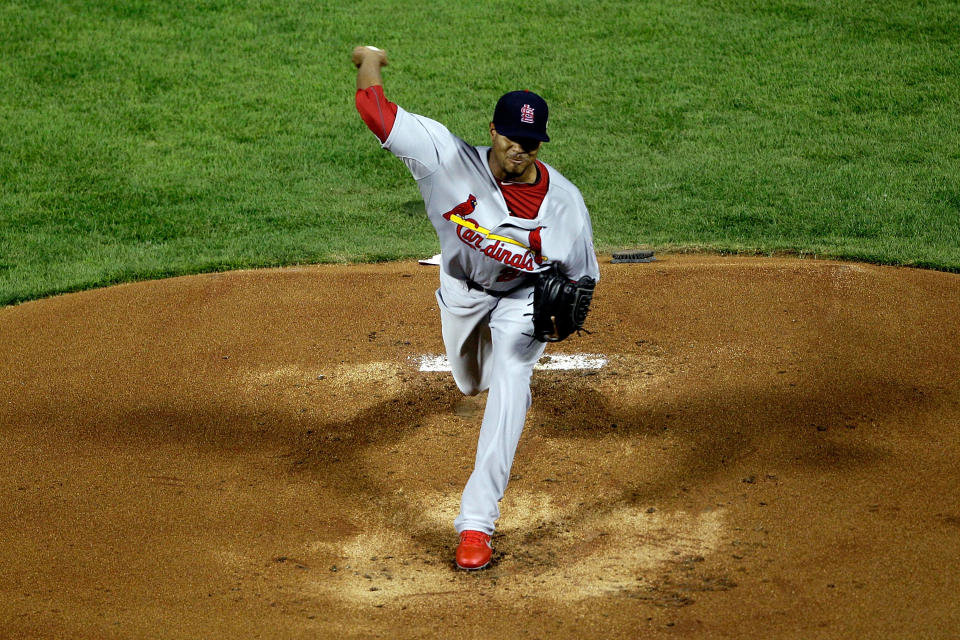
x: 377, y: 112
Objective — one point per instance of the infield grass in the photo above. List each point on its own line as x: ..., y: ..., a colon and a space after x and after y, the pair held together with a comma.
x: 141, y: 139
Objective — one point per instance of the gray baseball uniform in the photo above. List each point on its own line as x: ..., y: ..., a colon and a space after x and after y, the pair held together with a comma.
x: 489, y: 259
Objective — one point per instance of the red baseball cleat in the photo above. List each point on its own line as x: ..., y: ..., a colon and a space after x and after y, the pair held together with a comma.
x: 474, y: 550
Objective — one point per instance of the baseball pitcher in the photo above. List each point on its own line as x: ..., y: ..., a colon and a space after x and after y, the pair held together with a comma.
x: 518, y: 267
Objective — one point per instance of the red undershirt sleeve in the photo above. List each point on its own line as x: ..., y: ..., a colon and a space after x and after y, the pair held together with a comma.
x: 378, y: 112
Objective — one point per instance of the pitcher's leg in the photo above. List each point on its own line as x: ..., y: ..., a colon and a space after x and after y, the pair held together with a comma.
x: 514, y: 355
x: 464, y: 317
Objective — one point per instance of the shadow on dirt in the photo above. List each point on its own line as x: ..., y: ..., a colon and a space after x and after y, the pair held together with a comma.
x: 824, y: 425
x: 731, y: 431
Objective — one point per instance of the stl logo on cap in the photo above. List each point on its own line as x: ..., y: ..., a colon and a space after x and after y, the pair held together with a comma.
x: 526, y: 114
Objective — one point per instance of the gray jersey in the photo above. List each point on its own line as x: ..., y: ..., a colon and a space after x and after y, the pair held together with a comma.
x: 479, y: 239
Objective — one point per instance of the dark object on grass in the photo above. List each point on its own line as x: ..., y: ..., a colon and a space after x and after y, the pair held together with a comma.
x: 632, y: 256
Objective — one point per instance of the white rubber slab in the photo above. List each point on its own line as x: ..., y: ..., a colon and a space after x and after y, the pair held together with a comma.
x: 558, y: 362
x: 433, y: 262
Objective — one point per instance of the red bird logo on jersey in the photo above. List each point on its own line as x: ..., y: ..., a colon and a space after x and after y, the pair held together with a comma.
x: 463, y: 209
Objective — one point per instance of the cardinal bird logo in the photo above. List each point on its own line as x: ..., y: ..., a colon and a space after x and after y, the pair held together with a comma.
x: 463, y: 209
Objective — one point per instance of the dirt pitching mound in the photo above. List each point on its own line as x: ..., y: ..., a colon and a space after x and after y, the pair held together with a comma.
x: 743, y: 447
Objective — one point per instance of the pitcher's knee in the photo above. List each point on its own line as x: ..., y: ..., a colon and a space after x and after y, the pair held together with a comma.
x: 469, y: 385
x: 469, y: 388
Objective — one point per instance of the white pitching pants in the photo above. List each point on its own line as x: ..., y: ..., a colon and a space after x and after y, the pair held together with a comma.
x: 489, y: 346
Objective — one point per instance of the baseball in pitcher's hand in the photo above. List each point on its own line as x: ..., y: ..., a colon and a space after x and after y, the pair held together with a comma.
x: 363, y: 53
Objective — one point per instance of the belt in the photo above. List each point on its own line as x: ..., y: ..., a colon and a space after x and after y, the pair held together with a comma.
x: 490, y: 292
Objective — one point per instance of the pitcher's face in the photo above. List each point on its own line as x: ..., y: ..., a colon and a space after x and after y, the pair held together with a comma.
x: 514, y: 158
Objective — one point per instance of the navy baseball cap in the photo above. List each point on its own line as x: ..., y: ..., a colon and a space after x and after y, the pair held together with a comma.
x: 521, y: 114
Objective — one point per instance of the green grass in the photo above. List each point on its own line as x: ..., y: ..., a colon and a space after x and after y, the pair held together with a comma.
x: 143, y: 139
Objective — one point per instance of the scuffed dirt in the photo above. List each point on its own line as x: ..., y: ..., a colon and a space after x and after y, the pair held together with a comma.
x: 770, y: 451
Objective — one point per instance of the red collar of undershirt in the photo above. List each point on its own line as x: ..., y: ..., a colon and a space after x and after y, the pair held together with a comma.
x: 541, y: 171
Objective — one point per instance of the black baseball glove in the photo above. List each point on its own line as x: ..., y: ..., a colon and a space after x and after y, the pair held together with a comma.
x: 560, y: 305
